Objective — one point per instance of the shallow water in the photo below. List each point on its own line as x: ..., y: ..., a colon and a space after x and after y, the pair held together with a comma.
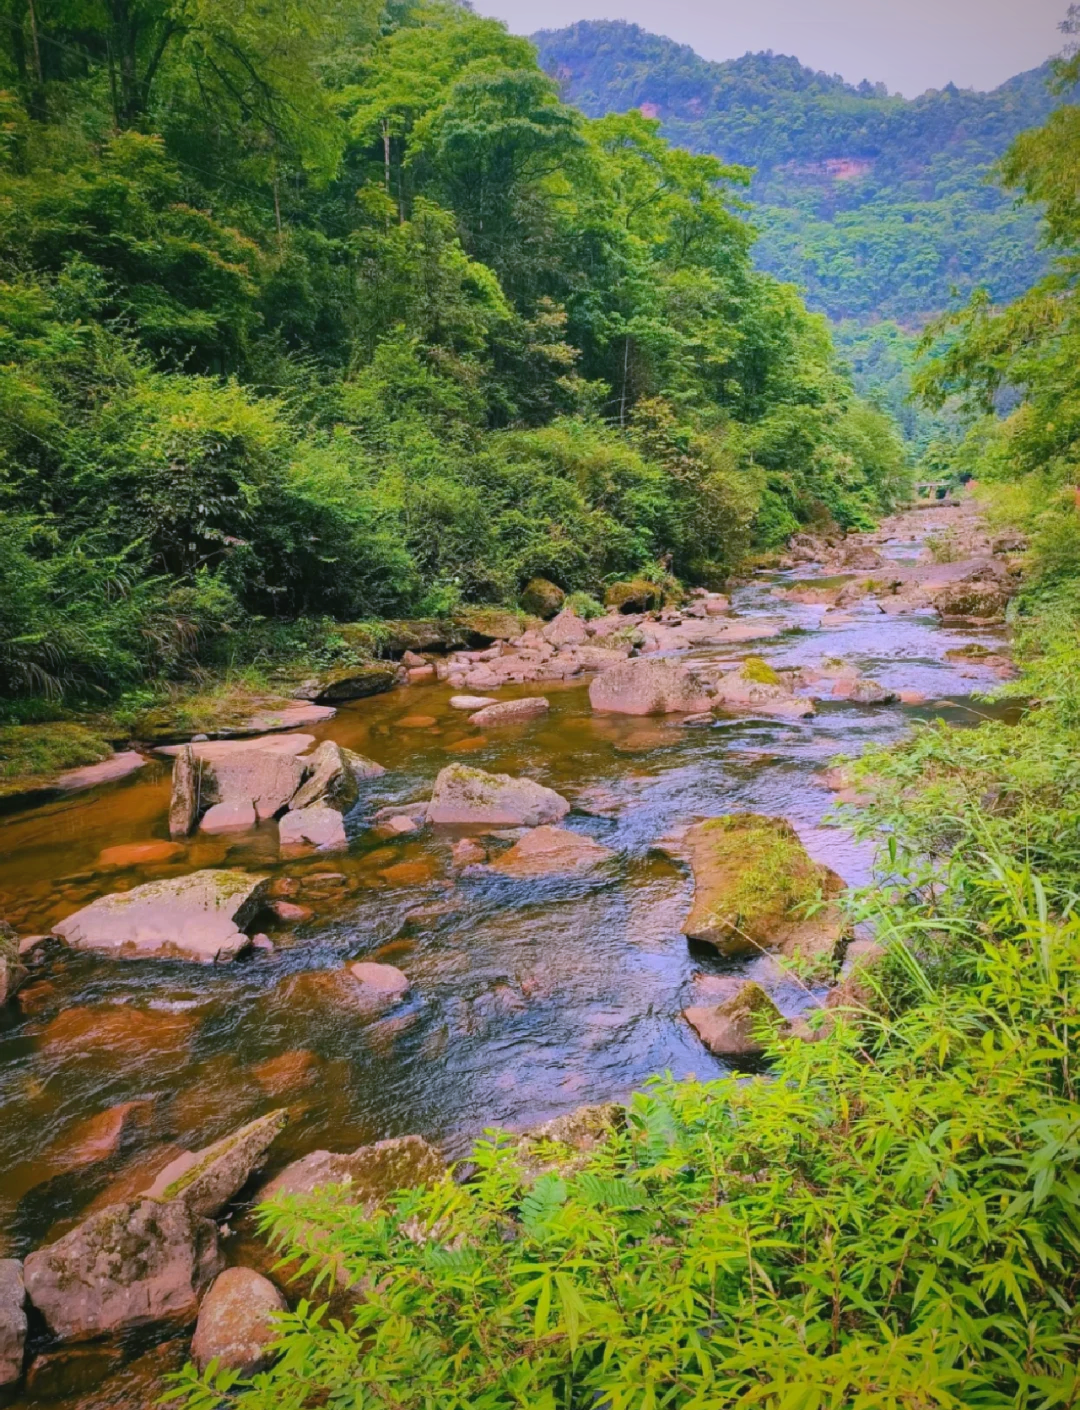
x: 529, y: 998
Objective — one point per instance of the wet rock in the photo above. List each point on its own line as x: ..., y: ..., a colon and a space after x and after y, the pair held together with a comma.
x: 575, y: 1134
x: 646, y: 687
x: 71, y: 1372
x: 731, y: 1029
x: 511, y: 712
x: 330, y: 783
x: 467, y: 853
x: 138, y: 854
x: 911, y: 697
x: 972, y: 601
x: 541, y: 598
x: 134, y: 1263
x: 205, y: 1180
x: 416, y: 722
x: 567, y: 629
x: 755, y: 688
x: 12, y: 1321
x: 107, y: 771
x: 869, y: 692
x: 471, y: 702
x: 753, y: 885
x: 265, y: 779
x: 318, y: 827
x: 13, y: 972
x: 236, y: 1323
x: 470, y: 796
x: 97, y: 1138
x: 400, y: 825
x: 186, y: 802
x: 289, y: 912
x: 120, y: 1033
x: 546, y: 851
x: 197, y: 917
x: 228, y: 817
x: 378, y: 985
x: 370, y: 1174
x: 286, y: 1072
x: 349, y: 683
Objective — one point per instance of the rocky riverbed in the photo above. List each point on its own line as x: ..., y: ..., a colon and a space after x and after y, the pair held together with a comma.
x: 514, y: 886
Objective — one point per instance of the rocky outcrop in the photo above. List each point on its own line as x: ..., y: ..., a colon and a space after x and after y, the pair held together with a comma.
x: 983, y: 601
x: 467, y: 796
x: 205, y: 1180
x: 198, y: 917
x: 733, y: 1028
x: 754, y: 885
x: 12, y: 1321
x: 133, y: 1263
x: 547, y: 851
x: 755, y: 688
x: 236, y: 1323
x: 645, y: 687
x: 349, y: 683
x: 633, y: 595
x: 511, y: 712
x: 541, y: 598
x: 318, y: 827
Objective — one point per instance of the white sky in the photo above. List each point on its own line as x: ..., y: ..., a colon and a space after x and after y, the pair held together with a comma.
x: 911, y: 45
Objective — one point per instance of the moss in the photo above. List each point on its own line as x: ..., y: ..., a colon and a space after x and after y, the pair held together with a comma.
x: 487, y: 624
x: 755, y: 668
x: 32, y: 754
x: 772, y: 877
x: 635, y: 595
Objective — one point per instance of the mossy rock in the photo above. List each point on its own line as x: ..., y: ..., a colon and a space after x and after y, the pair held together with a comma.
x: 756, y: 669
x: 635, y: 595
x: 756, y: 888
x: 32, y: 755
x: 392, y: 638
x: 483, y: 625
x: 542, y: 598
x: 353, y: 682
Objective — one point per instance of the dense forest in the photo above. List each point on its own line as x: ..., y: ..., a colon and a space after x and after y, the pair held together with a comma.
x: 336, y: 312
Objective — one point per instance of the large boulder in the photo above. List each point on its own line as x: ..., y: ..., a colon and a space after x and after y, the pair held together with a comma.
x: 205, y: 1180
x: 236, y: 1323
x: 264, y: 778
x: 318, y: 826
x: 732, y: 1029
x: 649, y: 687
x: 133, y: 1263
x: 541, y: 598
x: 634, y: 595
x: 349, y: 683
x: 567, y: 629
x: 186, y: 802
x: 546, y: 851
x: 511, y: 712
x: 755, y: 688
x: 470, y: 796
x: 333, y: 777
x: 370, y: 1173
x: 202, y: 917
x: 12, y: 1321
x: 755, y: 889
x: 982, y: 601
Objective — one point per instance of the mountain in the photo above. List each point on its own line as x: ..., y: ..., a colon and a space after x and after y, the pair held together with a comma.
x: 879, y: 206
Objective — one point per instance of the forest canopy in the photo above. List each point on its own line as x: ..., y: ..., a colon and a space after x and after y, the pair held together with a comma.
x: 333, y: 311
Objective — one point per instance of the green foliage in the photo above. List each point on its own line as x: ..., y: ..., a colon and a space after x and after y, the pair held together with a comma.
x: 35, y: 753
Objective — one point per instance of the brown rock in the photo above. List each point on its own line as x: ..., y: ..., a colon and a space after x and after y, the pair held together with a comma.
x: 470, y: 796
x: 649, y: 687
x: 264, y: 779
x: 236, y: 1323
x: 120, y: 1032
x: 511, y: 712
x: 134, y: 1263
x: 97, y: 1138
x: 466, y: 853
x: 71, y: 1372
x: 471, y: 702
x: 107, y: 771
x: 204, y: 1181
x: 287, y: 1072
x: 730, y: 1029
x: 290, y: 912
x: 417, y: 873
x: 12, y: 1321
x: 546, y: 851
x: 416, y: 722
x: 139, y: 854
x: 541, y: 598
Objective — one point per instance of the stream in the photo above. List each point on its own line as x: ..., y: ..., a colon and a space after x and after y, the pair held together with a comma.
x: 529, y: 997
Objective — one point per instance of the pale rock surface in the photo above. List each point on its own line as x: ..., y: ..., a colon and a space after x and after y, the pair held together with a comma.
x: 197, y: 917
x: 318, y: 827
x: 729, y: 1029
x: 379, y: 984
x: 237, y: 1322
x: 330, y: 782
x: 204, y: 1181
x: 511, y: 712
x: 470, y: 796
x: 644, y: 687
x: 471, y: 702
x: 371, y: 1173
x: 567, y: 629
x: 107, y: 771
x: 236, y: 816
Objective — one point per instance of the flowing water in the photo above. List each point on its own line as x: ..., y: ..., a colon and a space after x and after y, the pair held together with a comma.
x: 529, y: 998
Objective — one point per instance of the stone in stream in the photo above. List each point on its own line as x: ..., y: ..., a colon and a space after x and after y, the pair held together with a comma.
x: 730, y: 1029
x: 756, y: 689
x: 349, y: 683
x: 470, y: 796
x: 186, y: 801
x: 318, y: 827
x: 236, y: 1323
x: 649, y: 687
x: 471, y: 702
x: 511, y: 712
x: 12, y: 970
x: 197, y: 917
x: 869, y: 692
x: 12, y: 1321
x: 133, y: 1263
x: 138, y: 854
x: 369, y: 1174
x: 236, y: 816
x: 289, y: 912
x: 205, y: 1180
x: 265, y: 779
x: 120, y: 1033
x: 107, y: 771
x: 546, y: 851
x: 467, y: 853
x: 753, y: 884
x: 378, y: 984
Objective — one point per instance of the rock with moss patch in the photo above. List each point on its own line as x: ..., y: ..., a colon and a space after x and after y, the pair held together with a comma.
x: 349, y: 683
x: 12, y: 971
x: 186, y: 802
x: 755, y: 688
x: 237, y: 1322
x: 733, y: 1028
x: 635, y: 595
x: 542, y: 598
x: 207, y: 1179
x: 369, y: 1174
x: 646, y: 686
x: 131, y: 1264
x: 197, y: 917
x: 566, y: 1142
x: 466, y: 796
x: 567, y: 629
x: 330, y: 781
x: 755, y: 888
x: 484, y: 625
x: 317, y: 826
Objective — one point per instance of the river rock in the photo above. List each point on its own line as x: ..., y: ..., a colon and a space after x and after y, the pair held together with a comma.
x: 349, y: 683
x: 186, y: 801
x: 378, y: 985
x: 138, y: 854
x: 576, y: 1134
x: 471, y: 702
x: 264, y: 778
x: 470, y: 796
x: 758, y: 690
x: 318, y: 827
x: 869, y: 692
x: 236, y: 816
x: 546, y: 851
x: 752, y: 879
x: 511, y: 712
x: 567, y: 629
x: 12, y: 970
x: 133, y: 1263
x: 198, y: 917
x: 370, y: 1173
x: 634, y: 595
x: 205, y: 1180
x: 541, y: 598
x: 646, y: 687
x: 983, y: 601
x: 236, y: 1323
x: 107, y: 771
x: 467, y: 853
x: 330, y: 783
x: 729, y: 1029
x: 12, y: 1321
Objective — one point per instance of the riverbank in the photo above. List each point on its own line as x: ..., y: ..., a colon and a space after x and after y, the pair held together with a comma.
x: 528, y: 994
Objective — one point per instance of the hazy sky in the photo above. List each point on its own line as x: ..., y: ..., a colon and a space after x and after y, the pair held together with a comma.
x: 911, y: 45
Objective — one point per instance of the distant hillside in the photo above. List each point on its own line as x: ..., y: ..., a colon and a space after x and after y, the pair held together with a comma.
x: 879, y: 206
